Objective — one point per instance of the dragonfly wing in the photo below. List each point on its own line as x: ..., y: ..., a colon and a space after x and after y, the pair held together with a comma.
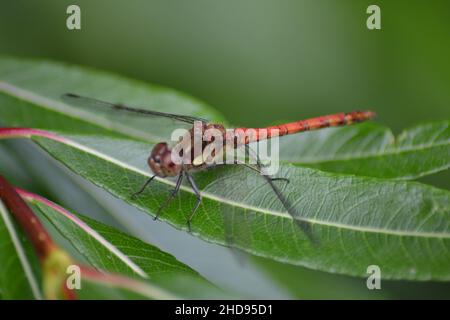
x: 145, y: 124
x: 78, y: 100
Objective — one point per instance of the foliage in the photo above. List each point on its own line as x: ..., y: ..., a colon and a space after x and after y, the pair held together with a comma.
x: 352, y: 185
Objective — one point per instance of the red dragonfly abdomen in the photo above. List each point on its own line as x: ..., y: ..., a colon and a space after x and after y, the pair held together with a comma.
x: 334, y: 120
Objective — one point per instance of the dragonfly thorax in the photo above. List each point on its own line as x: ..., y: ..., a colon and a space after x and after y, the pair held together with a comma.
x: 160, y: 161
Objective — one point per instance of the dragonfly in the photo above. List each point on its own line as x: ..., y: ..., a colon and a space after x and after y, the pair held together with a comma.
x: 162, y: 165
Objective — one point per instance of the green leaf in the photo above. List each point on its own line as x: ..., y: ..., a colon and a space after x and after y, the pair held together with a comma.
x: 371, y: 150
x: 30, y: 96
x: 137, y: 269
x: 19, y: 276
x: 30, y: 92
x: 109, y: 249
x: 304, y: 283
x: 173, y: 287
x: 106, y: 248
x: 358, y: 221
x: 401, y: 226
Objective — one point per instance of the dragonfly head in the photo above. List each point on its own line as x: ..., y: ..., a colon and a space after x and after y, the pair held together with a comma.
x: 160, y: 161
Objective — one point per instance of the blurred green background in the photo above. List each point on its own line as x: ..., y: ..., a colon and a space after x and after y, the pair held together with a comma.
x: 261, y: 61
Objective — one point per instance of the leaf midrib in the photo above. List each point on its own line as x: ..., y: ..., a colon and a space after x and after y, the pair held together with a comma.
x: 78, y: 114
x: 253, y: 208
x: 25, y: 264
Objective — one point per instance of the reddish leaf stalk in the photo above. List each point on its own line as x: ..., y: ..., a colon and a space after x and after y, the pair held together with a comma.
x: 28, y: 132
x: 33, y: 228
x: 53, y: 260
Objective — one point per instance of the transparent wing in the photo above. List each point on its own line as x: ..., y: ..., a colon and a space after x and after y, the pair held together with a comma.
x: 147, y: 124
x: 94, y: 103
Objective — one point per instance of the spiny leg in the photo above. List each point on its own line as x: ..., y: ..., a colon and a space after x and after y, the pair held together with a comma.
x: 197, y: 194
x: 259, y: 165
x: 280, y: 179
x: 257, y: 168
x: 172, y: 194
x: 306, y: 227
x: 253, y: 167
x: 292, y: 212
x: 143, y: 187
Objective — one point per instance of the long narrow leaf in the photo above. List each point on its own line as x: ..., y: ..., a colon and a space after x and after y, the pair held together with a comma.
x: 403, y: 227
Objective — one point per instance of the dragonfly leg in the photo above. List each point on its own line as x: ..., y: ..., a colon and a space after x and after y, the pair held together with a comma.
x: 280, y: 179
x: 172, y: 194
x: 259, y: 165
x: 134, y: 195
x: 258, y: 169
x: 199, y: 198
x: 292, y: 212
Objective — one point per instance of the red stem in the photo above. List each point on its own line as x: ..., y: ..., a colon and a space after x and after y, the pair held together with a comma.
x: 33, y: 228
x: 27, y: 133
